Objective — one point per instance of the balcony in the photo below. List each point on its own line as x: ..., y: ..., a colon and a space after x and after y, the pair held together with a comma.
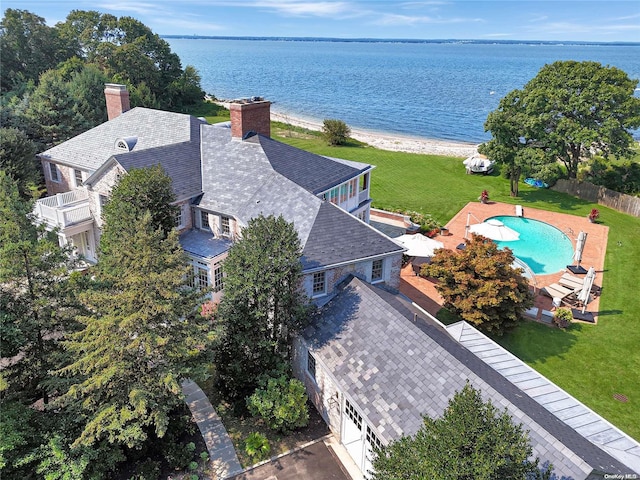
x: 64, y: 209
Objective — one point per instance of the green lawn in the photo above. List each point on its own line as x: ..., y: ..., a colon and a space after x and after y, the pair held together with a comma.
x: 590, y: 362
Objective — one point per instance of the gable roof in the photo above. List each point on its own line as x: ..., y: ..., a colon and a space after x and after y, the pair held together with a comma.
x: 151, y: 129
x: 312, y: 172
x: 338, y: 237
x: 398, y: 367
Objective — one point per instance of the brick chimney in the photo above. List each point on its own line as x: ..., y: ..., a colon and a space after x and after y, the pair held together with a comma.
x: 117, y: 97
x: 248, y: 115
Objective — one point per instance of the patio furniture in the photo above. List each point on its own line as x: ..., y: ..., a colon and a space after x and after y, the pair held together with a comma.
x: 555, y: 290
x: 571, y: 281
x: 518, y: 210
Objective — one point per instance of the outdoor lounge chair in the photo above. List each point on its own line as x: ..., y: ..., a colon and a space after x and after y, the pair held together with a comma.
x: 555, y: 290
x: 571, y: 281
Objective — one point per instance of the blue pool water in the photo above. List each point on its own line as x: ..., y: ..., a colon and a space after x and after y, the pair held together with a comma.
x: 543, y: 247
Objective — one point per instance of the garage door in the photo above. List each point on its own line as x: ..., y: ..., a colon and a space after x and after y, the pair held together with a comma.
x: 352, y: 437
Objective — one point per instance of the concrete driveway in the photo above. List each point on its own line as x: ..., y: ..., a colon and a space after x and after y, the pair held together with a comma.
x: 314, y: 462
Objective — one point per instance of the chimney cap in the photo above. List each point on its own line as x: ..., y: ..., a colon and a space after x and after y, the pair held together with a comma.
x: 115, y: 86
x: 247, y: 100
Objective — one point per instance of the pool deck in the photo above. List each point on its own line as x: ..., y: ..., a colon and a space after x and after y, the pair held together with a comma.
x: 423, y: 291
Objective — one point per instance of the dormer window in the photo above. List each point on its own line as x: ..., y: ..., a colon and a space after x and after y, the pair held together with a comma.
x: 126, y: 144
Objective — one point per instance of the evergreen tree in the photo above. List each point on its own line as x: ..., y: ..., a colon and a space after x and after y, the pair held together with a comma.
x: 141, y: 190
x: 18, y: 160
x: 52, y: 111
x: 141, y: 339
x: 471, y: 441
x: 263, y: 305
x: 36, y: 306
x: 480, y: 285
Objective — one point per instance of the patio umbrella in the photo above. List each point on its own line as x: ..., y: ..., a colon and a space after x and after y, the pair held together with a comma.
x: 495, y: 230
x: 577, y: 256
x: 585, y: 292
x: 418, y: 245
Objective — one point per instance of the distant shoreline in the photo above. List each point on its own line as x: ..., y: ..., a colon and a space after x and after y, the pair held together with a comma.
x: 384, y: 140
x: 404, y: 40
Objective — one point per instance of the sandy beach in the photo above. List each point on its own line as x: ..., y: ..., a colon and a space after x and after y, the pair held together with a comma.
x: 386, y: 141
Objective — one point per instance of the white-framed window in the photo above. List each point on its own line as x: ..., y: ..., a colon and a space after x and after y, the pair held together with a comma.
x: 204, y: 220
x: 200, y: 276
x: 225, y: 226
x: 179, y: 219
x: 311, y: 365
x: 377, y: 267
x: 319, y: 283
x: 54, y: 173
x: 218, y: 277
x: 77, y: 175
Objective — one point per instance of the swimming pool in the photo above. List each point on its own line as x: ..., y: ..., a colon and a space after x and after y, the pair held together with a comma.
x: 543, y: 247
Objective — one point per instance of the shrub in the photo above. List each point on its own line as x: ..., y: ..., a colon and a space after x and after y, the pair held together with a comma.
x: 562, y: 317
x: 178, y: 456
x: 427, y: 222
x: 257, y: 446
x: 281, y: 403
x: 335, y: 132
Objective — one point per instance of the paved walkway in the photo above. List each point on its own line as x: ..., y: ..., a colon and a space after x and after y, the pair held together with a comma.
x: 224, y: 461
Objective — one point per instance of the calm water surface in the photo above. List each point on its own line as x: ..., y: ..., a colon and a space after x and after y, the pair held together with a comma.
x: 433, y: 90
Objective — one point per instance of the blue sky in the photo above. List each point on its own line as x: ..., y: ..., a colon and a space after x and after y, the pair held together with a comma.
x: 578, y: 20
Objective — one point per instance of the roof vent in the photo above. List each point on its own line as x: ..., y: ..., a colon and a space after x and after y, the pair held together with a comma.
x: 126, y: 144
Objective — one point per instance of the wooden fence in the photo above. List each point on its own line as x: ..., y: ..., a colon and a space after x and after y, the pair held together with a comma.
x: 603, y: 196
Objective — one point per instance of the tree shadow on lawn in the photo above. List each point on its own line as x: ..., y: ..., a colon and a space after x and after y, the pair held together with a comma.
x: 533, y: 342
x: 563, y: 201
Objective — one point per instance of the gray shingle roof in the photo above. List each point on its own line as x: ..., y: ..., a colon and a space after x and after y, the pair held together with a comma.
x: 152, y: 128
x: 314, y: 173
x: 396, y: 370
x: 180, y: 161
x: 239, y: 179
x: 338, y: 237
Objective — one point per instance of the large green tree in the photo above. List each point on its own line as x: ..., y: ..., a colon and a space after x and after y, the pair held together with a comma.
x: 28, y: 47
x: 18, y: 160
x: 36, y: 306
x: 141, y: 339
x: 263, y: 305
x: 140, y: 190
x: 480, y: 285
x: 568, y: 112
x: 471, y: 441
x: 52, y: 111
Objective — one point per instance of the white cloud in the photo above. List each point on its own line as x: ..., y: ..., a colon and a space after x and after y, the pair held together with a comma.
x: 395, y: 19
x: 302, y: 8
x: 136, y: 7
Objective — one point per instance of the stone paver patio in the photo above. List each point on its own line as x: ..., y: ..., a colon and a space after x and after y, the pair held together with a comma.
x: 423, y: 292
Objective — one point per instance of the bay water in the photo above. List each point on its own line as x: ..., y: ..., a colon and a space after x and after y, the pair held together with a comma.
x: 432, y: 89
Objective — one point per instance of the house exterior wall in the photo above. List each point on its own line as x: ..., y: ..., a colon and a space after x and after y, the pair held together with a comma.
x: 103, y: 187
x: 187, y: 215
x: 65, y: 175
x: 322, y: 391
x: 391, y: 274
